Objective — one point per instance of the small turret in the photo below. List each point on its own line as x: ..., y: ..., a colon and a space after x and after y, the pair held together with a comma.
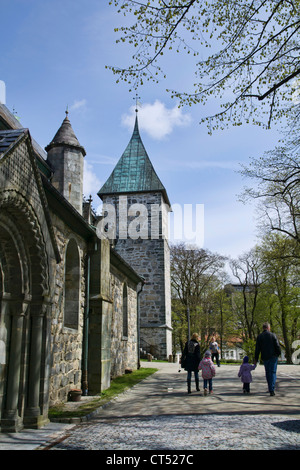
x: 65, y: 156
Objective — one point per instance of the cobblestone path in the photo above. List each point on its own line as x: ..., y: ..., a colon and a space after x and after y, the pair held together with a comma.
x: 174, y: 433
x: 158, y: 414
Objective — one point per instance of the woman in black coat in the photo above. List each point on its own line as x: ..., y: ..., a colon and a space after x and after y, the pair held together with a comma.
x: 190, y: 360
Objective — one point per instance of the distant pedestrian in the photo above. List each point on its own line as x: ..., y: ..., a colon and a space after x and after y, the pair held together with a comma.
x: 190, y: 360
x: 214, y: 348
x: 208, y: 372
x: 245, y: 374
x: 268, y: 346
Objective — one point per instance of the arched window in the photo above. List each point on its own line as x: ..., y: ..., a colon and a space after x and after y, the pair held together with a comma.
x: 72, y: 285
x: 125, y: 312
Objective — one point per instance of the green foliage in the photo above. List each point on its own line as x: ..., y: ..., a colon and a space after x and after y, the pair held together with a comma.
x: 246, y: 54
x: 179, y: 325
x: 249, y: 348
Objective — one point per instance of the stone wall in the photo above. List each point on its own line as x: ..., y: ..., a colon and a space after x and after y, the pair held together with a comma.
x: 66, y: 343
x: 124, y: 349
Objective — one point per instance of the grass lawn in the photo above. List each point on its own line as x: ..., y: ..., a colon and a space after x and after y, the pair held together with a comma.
x: 117, y: 386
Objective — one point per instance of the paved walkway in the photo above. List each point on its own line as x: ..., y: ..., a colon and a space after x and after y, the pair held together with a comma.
x: 158, y: 414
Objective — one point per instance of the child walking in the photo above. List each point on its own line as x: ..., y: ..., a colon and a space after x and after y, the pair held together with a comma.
x: 245, y: 374
x: 208, y: 372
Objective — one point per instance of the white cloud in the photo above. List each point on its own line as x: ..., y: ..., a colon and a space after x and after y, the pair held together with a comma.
x: 156, y: 119
x: 78, y: 104
x: 91, y: 183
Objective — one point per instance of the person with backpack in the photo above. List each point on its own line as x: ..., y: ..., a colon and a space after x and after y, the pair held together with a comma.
x: 190, y: 360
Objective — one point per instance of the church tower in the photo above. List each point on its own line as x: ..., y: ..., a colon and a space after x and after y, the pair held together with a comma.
x: 141, y: 206
x: 65, y: 156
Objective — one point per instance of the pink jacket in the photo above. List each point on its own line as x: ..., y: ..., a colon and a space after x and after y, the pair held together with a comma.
x: 207, y: 367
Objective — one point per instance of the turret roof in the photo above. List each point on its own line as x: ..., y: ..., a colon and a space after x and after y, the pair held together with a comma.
x: 134, y: 171
x: 65, y: 136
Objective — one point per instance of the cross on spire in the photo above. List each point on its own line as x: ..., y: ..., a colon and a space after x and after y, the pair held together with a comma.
x: 137, y: 98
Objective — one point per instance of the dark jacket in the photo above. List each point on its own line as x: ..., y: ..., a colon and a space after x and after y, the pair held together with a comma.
x: 267, y: 345
x: 191, y: 356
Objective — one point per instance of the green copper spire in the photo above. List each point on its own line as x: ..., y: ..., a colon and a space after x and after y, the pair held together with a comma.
x: 134, y: 171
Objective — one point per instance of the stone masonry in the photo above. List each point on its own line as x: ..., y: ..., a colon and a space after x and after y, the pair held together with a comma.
x: 124, y: 347
x: 66, y: 342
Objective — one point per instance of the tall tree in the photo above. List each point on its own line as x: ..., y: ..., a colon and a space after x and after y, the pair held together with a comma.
x: 248, y: 271
x: 249, y: 52
x: 193, y: 275
x: 276, y: 185
x: 225, y: 322
x: 179, y: 325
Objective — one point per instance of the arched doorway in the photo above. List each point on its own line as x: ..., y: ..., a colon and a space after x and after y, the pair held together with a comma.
x: 23, y: 321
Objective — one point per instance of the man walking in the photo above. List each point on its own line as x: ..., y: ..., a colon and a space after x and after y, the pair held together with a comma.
x: 268, y: 346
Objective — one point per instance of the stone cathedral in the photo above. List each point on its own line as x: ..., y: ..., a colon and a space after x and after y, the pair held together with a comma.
x: 75, y: 307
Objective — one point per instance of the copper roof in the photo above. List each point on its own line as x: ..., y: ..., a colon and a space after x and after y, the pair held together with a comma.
x: 134, y: 171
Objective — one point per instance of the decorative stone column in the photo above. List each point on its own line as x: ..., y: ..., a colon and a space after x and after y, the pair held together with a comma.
x: 33, y: 417
x: 4, y: 305
x: 11, y: 420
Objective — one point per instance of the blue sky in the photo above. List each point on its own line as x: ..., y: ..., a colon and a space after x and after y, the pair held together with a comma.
x: 53, y: 55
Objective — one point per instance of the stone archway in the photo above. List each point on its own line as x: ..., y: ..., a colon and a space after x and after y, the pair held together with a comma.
x: 24, y: 323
